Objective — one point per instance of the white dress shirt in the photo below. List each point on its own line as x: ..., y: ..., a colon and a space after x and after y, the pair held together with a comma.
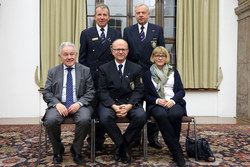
x: 99, y: 30
x: 123, y: 65
x: 145, y: 28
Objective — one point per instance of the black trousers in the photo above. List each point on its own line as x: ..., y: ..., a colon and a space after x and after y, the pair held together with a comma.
x: 169, y: 123
x: 137, y: 117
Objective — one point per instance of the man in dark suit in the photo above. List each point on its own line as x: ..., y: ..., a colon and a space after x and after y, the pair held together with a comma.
x: 68, y: 92
x: 95, y: 47
x: 95, y: 51
x: 120, y: 90
x: 142, y: 38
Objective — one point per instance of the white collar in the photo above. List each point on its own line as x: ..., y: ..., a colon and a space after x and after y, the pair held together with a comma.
x: 99, y: 28
x: 145, y: 26
x: 65, y: 67
x: 117, y: 64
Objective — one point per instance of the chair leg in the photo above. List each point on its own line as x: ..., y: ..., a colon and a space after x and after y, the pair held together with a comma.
x: 40, y: 136
x: 46, y: 141
x: 145, y: 146
x: 195, y: 138
x: 92, y: 154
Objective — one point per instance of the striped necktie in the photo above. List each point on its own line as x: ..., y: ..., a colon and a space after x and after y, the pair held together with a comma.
x: 142, y: 34
x: 102, y: 36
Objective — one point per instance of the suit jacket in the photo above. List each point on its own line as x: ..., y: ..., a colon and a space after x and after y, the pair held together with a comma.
x: 139, y: 52
x: 112, y: 90
x: 92, y: 52
x: 52, y: 93
x: 151, y: 94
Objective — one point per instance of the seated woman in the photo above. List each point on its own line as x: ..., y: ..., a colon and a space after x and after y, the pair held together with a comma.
x: 164, y: 94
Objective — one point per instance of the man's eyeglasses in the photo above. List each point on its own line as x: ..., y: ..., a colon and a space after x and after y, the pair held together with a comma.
x: 68, y: 54
x: 118, y: 50
x: 160, y: 56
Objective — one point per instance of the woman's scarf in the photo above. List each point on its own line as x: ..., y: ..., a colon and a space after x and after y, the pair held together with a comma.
x: 160, y: 77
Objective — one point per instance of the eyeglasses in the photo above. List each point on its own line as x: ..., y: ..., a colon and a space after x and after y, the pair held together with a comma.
x: 68, y: 54
x: 160, y: 56
x: 118, y: 50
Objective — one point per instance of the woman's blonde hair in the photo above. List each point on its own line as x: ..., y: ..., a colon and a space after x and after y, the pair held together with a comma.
x: 160, y: 50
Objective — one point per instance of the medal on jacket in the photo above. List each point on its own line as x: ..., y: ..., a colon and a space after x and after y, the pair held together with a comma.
x: 132, y: 85
x: 153, y: 44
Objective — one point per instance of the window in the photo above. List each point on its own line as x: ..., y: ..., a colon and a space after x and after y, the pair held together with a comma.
x: 162, y: 12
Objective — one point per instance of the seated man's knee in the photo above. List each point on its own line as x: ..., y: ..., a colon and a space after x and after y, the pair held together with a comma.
x: 106, y: 117
x: 84, y: 121
x: 50, y: 122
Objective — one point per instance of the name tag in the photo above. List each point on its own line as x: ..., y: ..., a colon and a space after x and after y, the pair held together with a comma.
x: 94, y: 39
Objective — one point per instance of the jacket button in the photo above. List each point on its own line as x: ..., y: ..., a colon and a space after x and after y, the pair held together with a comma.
x: 96, y: 69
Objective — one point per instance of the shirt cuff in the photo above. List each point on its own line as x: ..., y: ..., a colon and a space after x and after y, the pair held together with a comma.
x: 156, y: 101
x: 80, y: 103
x: 172, y: 101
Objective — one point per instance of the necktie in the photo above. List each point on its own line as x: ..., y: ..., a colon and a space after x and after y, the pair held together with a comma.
x: 120, y: 70
x: 102, y: 36
x: 142, y: 34
x: 69, y: 89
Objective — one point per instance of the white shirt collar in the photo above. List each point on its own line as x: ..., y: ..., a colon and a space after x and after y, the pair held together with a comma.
x: 145, y: 27
x: 99, y: 29
x: 123, y: 65
x: 65, y: 67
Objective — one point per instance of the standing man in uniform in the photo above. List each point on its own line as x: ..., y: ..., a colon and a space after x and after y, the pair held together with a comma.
x: 95, y: 44
x: 142, y: 38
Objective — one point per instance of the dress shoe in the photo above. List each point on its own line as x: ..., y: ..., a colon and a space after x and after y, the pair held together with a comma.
x: 125, y: 154
x: 179, y: 159
x: 155, y: 144
x: 57, y: 159
x: 76, y: 157
x: 117, y: 153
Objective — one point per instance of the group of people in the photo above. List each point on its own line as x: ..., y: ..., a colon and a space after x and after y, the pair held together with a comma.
x: 112, y: 79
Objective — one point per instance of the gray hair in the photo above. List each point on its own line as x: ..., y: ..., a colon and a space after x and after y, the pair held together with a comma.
x: 141, y: 4
x: 63, y: 44
x: 102, y: 6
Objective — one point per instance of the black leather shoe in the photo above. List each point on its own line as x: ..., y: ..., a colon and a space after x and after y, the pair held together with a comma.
x: 125, y: 154
x: 117, y: 153
x: 179, y: 159
x: 155, y: 144
x: 57, y: 159
x: 76, y: 157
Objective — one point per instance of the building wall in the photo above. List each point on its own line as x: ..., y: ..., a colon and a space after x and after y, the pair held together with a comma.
x: 20, y: 51
x: 243, y: 63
